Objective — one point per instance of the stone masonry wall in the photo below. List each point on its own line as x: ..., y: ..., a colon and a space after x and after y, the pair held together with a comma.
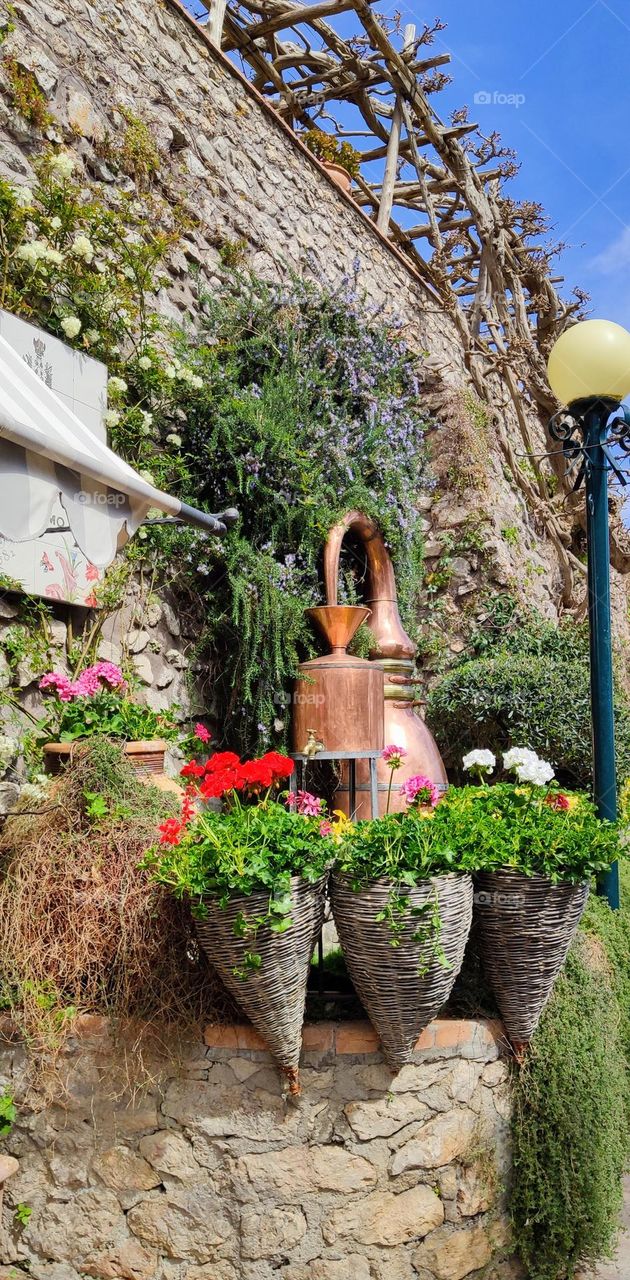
x: 211, y: 1173
x: 247, y: 181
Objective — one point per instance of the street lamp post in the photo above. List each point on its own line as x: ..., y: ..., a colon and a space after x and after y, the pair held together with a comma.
x: 589, y: 371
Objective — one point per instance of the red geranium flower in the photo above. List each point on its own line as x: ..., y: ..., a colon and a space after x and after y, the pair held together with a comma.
x: 216, y: 784
x: 282, y: 766
x: 257, y: 773
x: 170, y: 831
x: 222, y: 760
x: 558, y: 800
x: 192, y: 770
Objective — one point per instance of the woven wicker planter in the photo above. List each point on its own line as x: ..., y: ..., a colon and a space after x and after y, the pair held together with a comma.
x: 273, y: 995
x: 526, y: 926
x: 145, y: 758
x: 399, y: 1000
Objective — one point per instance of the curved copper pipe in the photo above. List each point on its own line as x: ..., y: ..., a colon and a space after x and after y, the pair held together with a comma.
x: 392, y: 640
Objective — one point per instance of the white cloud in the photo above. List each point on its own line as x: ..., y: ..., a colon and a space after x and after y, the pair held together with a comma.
x: 615, y: 257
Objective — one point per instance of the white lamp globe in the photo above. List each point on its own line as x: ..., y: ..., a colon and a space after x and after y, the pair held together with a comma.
x: 591, y: 359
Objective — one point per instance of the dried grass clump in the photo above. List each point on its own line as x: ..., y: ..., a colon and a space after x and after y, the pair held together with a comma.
x: 82, y: 927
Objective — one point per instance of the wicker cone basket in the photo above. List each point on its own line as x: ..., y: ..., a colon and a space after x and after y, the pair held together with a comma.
x: 526, y: 926
x: 273, y: 995
x: 399, y: 1000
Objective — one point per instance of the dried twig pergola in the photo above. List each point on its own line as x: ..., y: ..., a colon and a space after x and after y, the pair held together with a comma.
x: 438, y: 190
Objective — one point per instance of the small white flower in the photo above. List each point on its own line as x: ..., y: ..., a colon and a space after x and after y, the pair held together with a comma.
x: 147, y: 477
x: 71, y: 326
x: 62, y: 164
x: 147, y: 418
x: 483, y: 760
x: 92, y: 335
x: 116, y: 386
x: 111, y: 418
x: 170, y: 371
x: 54, y: 256
x: 144, y: 362
x: 32, y: 251
x: 23, y: 196
x: 196, y: 382
x: 174, y: 439
x: 55, y: 224
x: 83, y: 248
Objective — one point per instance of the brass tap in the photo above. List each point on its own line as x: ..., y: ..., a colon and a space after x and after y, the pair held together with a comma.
x: 313, y: 745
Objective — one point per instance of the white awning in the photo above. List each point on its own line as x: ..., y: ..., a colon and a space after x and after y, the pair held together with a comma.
x: 46, y: 453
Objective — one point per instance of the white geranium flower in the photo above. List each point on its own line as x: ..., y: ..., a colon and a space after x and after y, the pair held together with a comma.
x: 71, y: 326
x: 538, y: 772
x: 480, y: 760
x: 174, y: 439
x: 144, y: 362
x: 147, y: 418
x: 62, y: 164
x: 116, y: 386
x: 196, y: 382
x: 170, y: 371
x: 54, y: 256
x: 517, y: 756
x: 23, y: 196
x: 92, y: 335
x: 55, y: 224
x: 83, y: 248
x: 111, y: 418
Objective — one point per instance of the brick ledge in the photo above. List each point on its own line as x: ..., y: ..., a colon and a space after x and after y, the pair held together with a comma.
x: 467, y: 1036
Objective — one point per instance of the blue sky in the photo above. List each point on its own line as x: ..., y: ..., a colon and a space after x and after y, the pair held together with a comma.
x: 570, y: 61
x: 567, y: 62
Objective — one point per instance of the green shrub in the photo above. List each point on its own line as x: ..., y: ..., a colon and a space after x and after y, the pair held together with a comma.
x: 530, y: 689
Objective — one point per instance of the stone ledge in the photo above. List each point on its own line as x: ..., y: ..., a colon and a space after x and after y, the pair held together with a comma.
x: 480, y: 1039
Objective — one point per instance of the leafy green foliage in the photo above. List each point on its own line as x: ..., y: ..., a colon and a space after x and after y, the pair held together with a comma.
x: 109, y: 715
x: 570, y: 1103
x: 327, y: 148
x: 531, y: 688
x: 23, y: 1214
x: 8, y: 1113
x: 519, y: 827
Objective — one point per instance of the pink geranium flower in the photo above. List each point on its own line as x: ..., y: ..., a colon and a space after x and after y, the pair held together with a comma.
x: 202, y: 733
x: 419, y: 791
x: 306, y: 803
x: 393, y: 755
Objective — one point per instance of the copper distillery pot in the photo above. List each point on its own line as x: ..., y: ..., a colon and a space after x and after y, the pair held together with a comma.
x: 338, y: 699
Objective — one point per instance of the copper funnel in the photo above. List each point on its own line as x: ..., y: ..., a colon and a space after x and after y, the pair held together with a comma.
x: 338, y: 623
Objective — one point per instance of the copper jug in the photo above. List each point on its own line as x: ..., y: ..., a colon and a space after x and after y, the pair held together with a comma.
x: 394, y: 654
x: 338, y: 699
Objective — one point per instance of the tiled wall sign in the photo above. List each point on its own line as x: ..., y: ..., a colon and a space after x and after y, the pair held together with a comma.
x: 52, y: 565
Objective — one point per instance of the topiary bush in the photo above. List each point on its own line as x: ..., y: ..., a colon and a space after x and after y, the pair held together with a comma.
x: 530, y: 689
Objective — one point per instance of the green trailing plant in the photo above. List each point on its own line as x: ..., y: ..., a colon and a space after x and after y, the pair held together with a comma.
x: 569, y: 1124
x: 26, y: 95
x: 328, y: 149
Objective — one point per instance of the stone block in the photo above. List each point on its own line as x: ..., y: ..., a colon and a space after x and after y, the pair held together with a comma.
x: 264, y: 1235
x: 452, y: 1254
x: 299, y: 1171
x: 384, y: 1218
x: 444, y: 1138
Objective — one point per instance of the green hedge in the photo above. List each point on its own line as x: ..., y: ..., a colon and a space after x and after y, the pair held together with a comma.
x: 531, y: 690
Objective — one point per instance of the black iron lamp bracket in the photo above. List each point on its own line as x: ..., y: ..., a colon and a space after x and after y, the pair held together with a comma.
x: 590, y: 424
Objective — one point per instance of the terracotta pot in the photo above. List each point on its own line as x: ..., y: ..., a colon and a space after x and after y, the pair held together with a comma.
x: 340, y: 176
x: 145, y: 758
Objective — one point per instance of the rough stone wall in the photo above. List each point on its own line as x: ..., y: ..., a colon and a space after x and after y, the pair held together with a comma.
x: 212, y: 1174
x: 248, y: 183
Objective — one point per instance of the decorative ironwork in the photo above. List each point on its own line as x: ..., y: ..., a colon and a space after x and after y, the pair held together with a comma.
x: 570, y: 430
